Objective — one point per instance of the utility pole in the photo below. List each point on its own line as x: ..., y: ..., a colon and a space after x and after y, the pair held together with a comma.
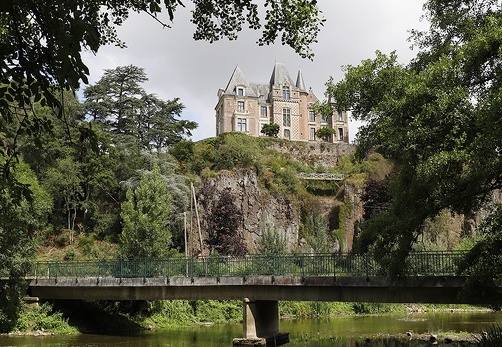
x: 197, y: 216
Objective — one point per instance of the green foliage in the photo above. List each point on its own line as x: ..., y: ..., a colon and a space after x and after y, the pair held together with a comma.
x: 19, y: 219
x: 121, y: 106
x: 64, y: 181
x: 236, y: 150
x: 280, y: 175
x: 325, y: 133
x: 271, y: 129
x: 443, y: 232
x: 491, y: 338
x: 296, y: 22
x: 310, y: 309
x: 146, y: 214
x: 11, y: 301
x: 272, y: 241
x: 40, y: 67
x: 377, y: 308
x: 324, y: 108
x: 215, y: 311
x: 438, y: 118
x: 483, y: 264
x: 316, y: 232
x: 169, y: 313
x: 43, y: 318
x: 70, y: 254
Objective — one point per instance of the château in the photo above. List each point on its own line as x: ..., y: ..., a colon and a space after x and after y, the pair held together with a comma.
x: 246, y: 107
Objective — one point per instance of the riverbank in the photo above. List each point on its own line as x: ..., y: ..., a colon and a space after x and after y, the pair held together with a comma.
x: 114, y: 317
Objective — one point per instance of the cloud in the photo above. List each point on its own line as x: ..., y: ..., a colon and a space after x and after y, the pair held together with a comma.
x: 178, y: 66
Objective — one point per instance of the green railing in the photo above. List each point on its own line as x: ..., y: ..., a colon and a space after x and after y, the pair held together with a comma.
x: 301, y: 265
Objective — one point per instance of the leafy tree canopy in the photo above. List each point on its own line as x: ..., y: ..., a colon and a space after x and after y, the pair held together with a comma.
x: 146, y: 214
x: 41, y: 45
x: 42, y: 42
x: 325, y: 133
x: 121, y: 105
x: 271, y: 129
x: 438, y: 117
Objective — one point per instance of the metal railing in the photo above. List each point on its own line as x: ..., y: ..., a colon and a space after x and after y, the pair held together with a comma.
x: 301, y: 265
x: 321, y: 176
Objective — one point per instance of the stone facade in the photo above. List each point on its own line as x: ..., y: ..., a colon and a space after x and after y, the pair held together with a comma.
x: 247, y: 107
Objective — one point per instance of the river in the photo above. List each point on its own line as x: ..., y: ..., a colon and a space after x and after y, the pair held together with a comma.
x: 348, y: 331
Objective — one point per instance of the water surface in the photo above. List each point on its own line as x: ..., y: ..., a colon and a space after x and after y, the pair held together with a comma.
x: 336, y: 332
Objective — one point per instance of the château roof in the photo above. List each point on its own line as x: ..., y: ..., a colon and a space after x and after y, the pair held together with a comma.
x: 280, y: 75
x: 299, y: 81
x: 239, y: 80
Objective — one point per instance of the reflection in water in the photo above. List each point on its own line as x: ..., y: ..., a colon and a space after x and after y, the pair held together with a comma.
x: 367, y: 331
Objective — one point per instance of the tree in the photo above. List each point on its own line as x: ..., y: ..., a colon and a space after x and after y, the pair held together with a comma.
x: 36, y: 55
x: 272, y: 241
x: 271, y: 129
x: 19, y: 221
x: 116, y: 98
x: 483, y: 264
x: 223, y: 225
x: 65, y: 182
x: 41, y: 45
x: 316, y: 230
x: 146, y: 214
x: 122, y: 106
x: 325, y: 133
x: 438, y: 118
x: 375, y: 197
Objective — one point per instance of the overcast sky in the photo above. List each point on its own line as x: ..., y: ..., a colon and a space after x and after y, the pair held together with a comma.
x: 178, y: 66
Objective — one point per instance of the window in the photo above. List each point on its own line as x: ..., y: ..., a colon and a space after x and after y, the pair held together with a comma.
x: 286, y: 117
x: 240, y: 106
x: 340, y: 116
x: 242, y: 125
x: 240, y: 91
x: 286, y: 93
x: 287, y: 134
x: 262, y: 97
x: 312, y: 134
x: 263, y: 113
x: 311, y: 116
x: 340, y: 134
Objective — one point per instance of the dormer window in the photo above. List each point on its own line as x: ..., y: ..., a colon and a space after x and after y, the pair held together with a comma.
x: 240, y: 91
x: 286, y: 93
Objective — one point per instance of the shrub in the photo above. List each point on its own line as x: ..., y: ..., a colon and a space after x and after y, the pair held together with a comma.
x: 491, y: 338
x: 272, y: 241
x: 43, y: 318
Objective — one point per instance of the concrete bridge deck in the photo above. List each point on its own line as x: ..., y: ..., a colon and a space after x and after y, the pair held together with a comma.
x: 420, y: 289
x: 259, y: 281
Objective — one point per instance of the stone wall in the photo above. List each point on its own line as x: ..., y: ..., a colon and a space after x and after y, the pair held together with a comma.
x: 315, y: 154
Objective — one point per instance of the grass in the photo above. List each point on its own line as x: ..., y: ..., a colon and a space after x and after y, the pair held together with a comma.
x: 492, y: 337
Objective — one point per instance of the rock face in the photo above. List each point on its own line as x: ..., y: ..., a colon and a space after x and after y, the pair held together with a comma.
x: 316, y: 154
x: 258, y: 207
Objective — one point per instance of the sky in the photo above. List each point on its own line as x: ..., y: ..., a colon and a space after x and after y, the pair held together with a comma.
x: 178, y: 66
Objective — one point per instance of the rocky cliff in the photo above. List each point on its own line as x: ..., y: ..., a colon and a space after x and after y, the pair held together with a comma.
x: 260, y: 206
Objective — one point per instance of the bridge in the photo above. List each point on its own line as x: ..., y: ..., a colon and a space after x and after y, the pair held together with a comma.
x: 259, y: 280
x: 321, y: 176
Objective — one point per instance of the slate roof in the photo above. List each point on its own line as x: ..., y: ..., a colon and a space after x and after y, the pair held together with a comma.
x: 299, y: 81
x: 280, y: 75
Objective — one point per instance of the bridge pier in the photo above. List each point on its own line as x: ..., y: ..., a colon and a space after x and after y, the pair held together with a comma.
x: 261, y: 324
